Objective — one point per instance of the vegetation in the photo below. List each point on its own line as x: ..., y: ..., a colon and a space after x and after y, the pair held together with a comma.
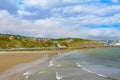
x: 8, y: 41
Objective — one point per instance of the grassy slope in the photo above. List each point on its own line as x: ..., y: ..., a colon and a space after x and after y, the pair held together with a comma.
x: 21, y: 42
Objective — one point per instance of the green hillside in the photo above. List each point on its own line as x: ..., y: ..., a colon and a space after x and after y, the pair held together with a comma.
x: 8, y: 41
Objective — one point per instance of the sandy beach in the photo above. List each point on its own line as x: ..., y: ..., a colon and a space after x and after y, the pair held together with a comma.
x: 10, y: 59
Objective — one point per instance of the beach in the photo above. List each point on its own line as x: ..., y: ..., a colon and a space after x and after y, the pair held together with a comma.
x: 64, y: 64
x: 12, y: 58
x: 14, y: 63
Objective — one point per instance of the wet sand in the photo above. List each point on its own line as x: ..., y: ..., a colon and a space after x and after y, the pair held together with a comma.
x: 10, y: 59
x: 7, y: 61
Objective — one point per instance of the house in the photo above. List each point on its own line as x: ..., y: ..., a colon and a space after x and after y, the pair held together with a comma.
x: 8, y: 37
x: 11, y: 37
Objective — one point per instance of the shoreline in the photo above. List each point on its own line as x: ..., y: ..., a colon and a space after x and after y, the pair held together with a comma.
x: 10, y: 59
x: 38, y: 55
x: 18, y: 70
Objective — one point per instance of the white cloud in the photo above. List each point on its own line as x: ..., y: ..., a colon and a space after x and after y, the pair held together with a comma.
x: 101, y: 10
x: 42, y: 3
x: 59, y: 27
x: 25, y: 13
x: 96, y: 20
x: 4, y: 13
x: 10, y: 23
x: 91, y: 20
x: 102, y: 33
x: 38, y: 27
x: 75, y: 1
x: 70, y: 18
x: 47, y: 4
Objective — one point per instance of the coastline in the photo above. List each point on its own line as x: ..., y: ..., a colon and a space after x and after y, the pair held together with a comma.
x: 19, y: 69
x: 35, y: 58
x: 10, y: 59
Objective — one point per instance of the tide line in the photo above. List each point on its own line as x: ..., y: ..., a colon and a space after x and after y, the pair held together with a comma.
x: 90, y: 71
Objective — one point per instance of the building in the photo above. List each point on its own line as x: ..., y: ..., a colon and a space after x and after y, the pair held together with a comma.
x: 110, y: 42
x: 7, y: 37
x: 117, y: 44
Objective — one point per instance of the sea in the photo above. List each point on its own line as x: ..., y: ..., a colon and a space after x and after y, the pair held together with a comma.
x: 84, y: 64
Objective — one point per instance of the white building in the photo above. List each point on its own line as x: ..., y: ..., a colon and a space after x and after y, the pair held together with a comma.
x: 117, y: 44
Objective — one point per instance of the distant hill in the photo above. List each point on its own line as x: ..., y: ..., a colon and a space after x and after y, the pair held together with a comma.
x: 8, y: 41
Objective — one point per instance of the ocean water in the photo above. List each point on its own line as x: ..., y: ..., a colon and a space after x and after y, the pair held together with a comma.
x: 90, y: 64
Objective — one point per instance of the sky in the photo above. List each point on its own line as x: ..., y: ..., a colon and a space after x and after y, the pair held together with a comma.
x: 89, y: 19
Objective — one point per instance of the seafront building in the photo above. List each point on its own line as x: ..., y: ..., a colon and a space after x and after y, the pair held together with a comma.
x: 110, y: 42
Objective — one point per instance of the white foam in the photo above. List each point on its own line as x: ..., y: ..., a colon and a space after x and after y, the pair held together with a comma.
x: 26, y: 77
x: 58, y: 76
x: 58, y: 65
x: 27, y: 73
x: 50, y: 64
x: 90, y: 71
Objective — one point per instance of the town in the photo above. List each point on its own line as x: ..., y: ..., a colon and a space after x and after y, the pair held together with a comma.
x: 110, y: 42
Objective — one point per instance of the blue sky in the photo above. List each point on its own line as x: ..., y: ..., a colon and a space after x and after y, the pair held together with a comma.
x: 90, y: 19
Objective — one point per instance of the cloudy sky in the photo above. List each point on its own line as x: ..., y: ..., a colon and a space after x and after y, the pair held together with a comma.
x: 91, y: 19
